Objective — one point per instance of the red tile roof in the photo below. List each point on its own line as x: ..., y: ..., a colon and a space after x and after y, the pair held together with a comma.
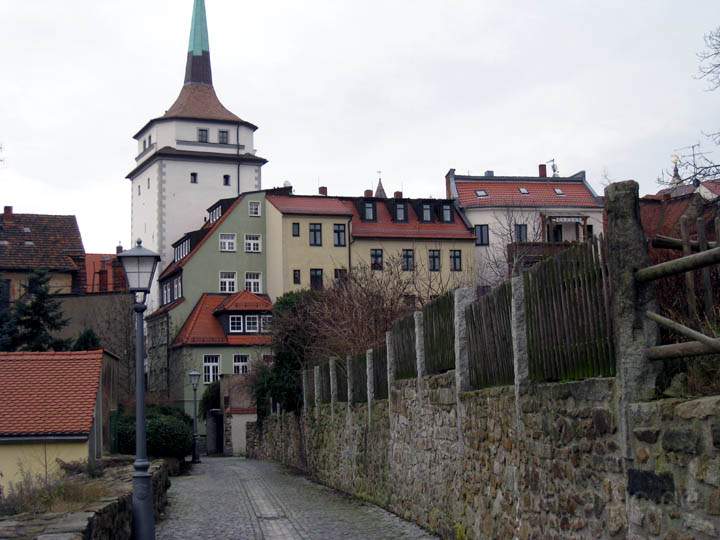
x: 203, y: 328
x: 309, y: 205
x: 30, y: 241
x: 245, y: 301
x: 506, y: 192
x: 48, y: 393
x: 385, y: 227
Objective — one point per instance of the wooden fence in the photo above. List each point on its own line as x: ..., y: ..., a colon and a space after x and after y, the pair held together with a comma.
x: 325, y: 382
x: 569, y: 328
x: 358, y: 366
x: 380, y: 378
x: 489, y: 339
x: 403, y: 343
x: 439, y: 331
x: 341, y: 375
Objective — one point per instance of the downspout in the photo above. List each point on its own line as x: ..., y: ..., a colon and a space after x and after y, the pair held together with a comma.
x: 350, y: 240
x: 237, y: 141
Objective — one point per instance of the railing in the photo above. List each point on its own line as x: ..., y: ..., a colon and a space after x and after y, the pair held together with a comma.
x: 569, y: 328
x: 489, y: 333
x: 708, y: 254
x: 380, y: 376
x: 403, y: 343
x: 439, y: 332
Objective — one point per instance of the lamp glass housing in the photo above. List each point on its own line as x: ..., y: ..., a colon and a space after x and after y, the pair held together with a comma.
x: 139, y: 265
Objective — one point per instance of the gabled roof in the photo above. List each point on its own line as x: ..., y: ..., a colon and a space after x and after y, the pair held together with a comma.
x: 48, y: 393
x: 175, y: 266
x: 508, y: 191
x: 30, y: 241
x: 245, y: 301
x: 203, y: 328
x: 309, y: 205
x: 385, y: 227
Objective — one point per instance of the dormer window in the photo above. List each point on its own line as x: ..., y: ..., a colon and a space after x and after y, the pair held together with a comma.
x: 252, y: 324
x: 426, y: 212
x: 447, y: 215
x: 523, y: 191
x: 215, y: 214
x: 400, y: 213
x: 481, y: 193
x: 223, y: 136
x: 559, y: 192
x: 236, y: 324
x: 182, y: 249
x: 369, y: 211
x: 202, y: 135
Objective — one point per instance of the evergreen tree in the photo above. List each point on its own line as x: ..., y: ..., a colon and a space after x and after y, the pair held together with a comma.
x: 87, y: 341
x: 8, y: 330
x: 38, y: 315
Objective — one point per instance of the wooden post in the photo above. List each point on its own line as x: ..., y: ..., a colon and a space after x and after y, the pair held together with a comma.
x: 689, y: 276
x: 627, y: 252
x: 462, y: 299
x: 370, y: 387
x: 306, y: 391
x: 518, y: 327
x: 316, y: 373
x: 333, y: 386
x: 705, y: 272
x: 390, y: 371
x: 350, y: 380
x: 419, y: 349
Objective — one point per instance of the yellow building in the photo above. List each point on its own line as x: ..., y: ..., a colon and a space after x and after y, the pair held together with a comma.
x: 55, y: 405
x: 315, y: 239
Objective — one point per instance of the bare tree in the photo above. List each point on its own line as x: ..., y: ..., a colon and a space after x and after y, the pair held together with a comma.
x: 709, y: 68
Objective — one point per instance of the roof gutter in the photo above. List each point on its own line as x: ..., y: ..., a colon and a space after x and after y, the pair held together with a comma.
x: 5, y: 439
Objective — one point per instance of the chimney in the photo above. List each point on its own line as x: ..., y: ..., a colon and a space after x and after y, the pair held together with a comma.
x: 118, y: 276
x: 489, y: 173
x: 368, y: 193
x: 103, y: 279
x: 323, y: 191
x: 398, y: 194
x: 7, y: 214
x: 542, y: 170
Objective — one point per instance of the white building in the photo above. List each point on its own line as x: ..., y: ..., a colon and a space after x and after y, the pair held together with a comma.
x: 195, y: 154
x: 533, y: 214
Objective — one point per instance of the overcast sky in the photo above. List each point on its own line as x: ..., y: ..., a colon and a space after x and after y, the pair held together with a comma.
x: 341, y: 89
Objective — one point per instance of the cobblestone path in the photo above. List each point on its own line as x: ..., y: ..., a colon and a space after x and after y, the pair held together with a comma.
x: 234, y: 498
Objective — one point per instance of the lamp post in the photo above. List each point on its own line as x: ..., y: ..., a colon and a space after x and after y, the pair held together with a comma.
x: 194, y: 377
x: 139, y: 265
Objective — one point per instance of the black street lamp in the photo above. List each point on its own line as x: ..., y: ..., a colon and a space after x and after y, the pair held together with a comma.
x: 194, y: 377
x: 139, y: 265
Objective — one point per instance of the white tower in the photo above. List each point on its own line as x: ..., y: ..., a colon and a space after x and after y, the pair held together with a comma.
x: 195, y: 154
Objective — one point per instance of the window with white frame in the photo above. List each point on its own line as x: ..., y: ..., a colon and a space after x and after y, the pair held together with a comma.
x: 228, y: 284
x: 265, y: 322
x: 227, y: 241
x: 253, y: 282
x: 236, y: 324
x: 254, y: 208
x: 253, y: 243
x: 252, y: 324
x: 211, y: 368
x: 240, y: 363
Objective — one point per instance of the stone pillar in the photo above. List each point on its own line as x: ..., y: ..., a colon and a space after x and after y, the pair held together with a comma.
x: 419, y: 349
x: 348, y: 370
x: 316, y: 373
x: 305, y: 391
x: 370, y: 380
x: 390, y: 370
x: 518, y: 326
x: 627, y: 252
x: 333, y: 386
x: 463, y: 298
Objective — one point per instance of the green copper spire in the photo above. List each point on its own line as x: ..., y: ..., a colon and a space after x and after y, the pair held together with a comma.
x: 199, y: 41
x: 198, y: 68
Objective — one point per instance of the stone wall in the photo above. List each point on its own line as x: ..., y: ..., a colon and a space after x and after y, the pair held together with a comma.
x: 474, y: 468
x: 107, y: 519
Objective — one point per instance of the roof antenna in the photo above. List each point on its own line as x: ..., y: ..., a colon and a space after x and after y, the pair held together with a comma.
x: 554, y: 167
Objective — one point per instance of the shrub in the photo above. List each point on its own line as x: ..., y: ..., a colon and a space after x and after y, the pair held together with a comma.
x: 167, y: 436
x: 166, y: 410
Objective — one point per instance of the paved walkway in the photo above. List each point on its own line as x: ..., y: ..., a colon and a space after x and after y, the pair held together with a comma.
x: 234, y: 498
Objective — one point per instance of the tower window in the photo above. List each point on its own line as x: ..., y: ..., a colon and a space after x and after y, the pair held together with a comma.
x: 148, y: 183
x: 202, y: 135
x: 223, y: 136
x: 226, y: 180
x: 149, y: 140
x: 193, y: 178
x: 138, y: 189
